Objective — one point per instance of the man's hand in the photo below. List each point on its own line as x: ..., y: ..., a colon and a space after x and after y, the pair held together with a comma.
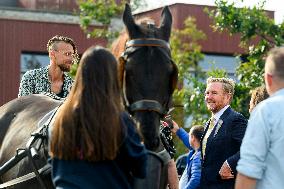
x: 175, y: 127
x: 225, y: 171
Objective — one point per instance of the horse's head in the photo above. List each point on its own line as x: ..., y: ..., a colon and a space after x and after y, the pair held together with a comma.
x: 148, y: 74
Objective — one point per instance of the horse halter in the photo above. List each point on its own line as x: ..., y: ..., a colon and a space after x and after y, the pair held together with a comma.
x: 144, y: 104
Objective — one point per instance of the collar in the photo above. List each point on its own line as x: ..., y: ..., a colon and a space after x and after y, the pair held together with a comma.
x: 279, y: 92
x: 219, y: 114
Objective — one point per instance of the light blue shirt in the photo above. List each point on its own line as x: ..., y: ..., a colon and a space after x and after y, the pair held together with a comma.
x: 262, y: 149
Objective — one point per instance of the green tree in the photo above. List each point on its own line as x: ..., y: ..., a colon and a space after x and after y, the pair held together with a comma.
x: 102, y: 12
x: 186, y: 53
x: 258, y: 33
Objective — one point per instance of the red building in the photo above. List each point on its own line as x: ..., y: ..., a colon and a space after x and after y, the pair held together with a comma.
x: 215, y: 43
x: 27, y: 25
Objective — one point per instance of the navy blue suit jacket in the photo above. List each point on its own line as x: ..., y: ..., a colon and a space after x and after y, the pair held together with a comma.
x: 223, y: 144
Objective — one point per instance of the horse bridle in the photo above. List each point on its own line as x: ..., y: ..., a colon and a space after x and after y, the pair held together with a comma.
x: 144, y: 104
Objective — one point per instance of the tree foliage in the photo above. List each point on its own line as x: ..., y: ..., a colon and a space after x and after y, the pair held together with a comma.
x: 258, y: 33
x: 102, y: 12
x: 186, y: 52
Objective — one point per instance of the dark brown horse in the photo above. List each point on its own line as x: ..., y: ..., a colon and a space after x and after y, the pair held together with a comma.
x: 148, y: 78
x: 18, y: 119
x: 147, y: 72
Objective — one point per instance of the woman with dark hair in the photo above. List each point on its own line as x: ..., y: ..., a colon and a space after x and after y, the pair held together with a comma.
x: 93, y: 142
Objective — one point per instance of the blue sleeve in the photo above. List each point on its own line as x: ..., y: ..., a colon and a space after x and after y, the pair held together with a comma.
x: 255, y: 144
x: 194, y: 180
x: 184, y: 137
x: 133, y: 152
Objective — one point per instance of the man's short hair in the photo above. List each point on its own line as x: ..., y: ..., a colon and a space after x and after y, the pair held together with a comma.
x: 51, y: 45
x: 228, y: 84
x: 276, y: 56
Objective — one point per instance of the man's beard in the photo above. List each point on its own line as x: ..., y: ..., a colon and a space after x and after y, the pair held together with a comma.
x: 64, y: 67
x: 214, y: 109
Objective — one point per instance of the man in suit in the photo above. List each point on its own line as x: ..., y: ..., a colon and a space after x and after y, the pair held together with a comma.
x: 222, y: 136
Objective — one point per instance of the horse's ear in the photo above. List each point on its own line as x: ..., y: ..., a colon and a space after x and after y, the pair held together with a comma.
x: 166, y: 23
x: 174, y: 78
x: 128, y: 20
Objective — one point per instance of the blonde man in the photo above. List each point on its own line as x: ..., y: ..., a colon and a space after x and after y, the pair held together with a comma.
x: 220, y: 144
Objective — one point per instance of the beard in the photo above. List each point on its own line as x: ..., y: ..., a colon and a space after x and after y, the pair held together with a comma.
x: 214, y: 108
x: 65, y: 67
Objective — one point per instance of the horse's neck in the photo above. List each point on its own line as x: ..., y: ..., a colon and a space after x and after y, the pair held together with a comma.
x: 48, y: 118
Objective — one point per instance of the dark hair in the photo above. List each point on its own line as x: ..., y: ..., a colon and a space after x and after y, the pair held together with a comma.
x: 197, y: 131
x: 257, y: 95
x: 87, y: 125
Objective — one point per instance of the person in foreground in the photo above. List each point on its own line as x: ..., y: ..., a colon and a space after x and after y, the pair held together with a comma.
x: 93, y: 142
x: 52, y: 79
x: 222, y: 137
x: 261, y: 164
x: 190, y: 178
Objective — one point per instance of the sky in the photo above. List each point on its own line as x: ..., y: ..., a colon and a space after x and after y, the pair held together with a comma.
x: 273, y: 5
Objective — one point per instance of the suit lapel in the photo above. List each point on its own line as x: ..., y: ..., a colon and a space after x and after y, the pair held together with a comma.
x: 205, y: 130
x: 226, y: 113
x: 213, y: 135
x: 221, y: 120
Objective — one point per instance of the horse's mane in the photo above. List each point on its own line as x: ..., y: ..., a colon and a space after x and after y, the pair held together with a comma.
x: 118, y: 45
x: 117, y: 48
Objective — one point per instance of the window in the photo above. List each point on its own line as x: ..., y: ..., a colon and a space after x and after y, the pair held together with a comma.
x: 228, y: 63
x: 31, y: 61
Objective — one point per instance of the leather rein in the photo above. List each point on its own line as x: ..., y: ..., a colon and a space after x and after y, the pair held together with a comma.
x: 31, y: 151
